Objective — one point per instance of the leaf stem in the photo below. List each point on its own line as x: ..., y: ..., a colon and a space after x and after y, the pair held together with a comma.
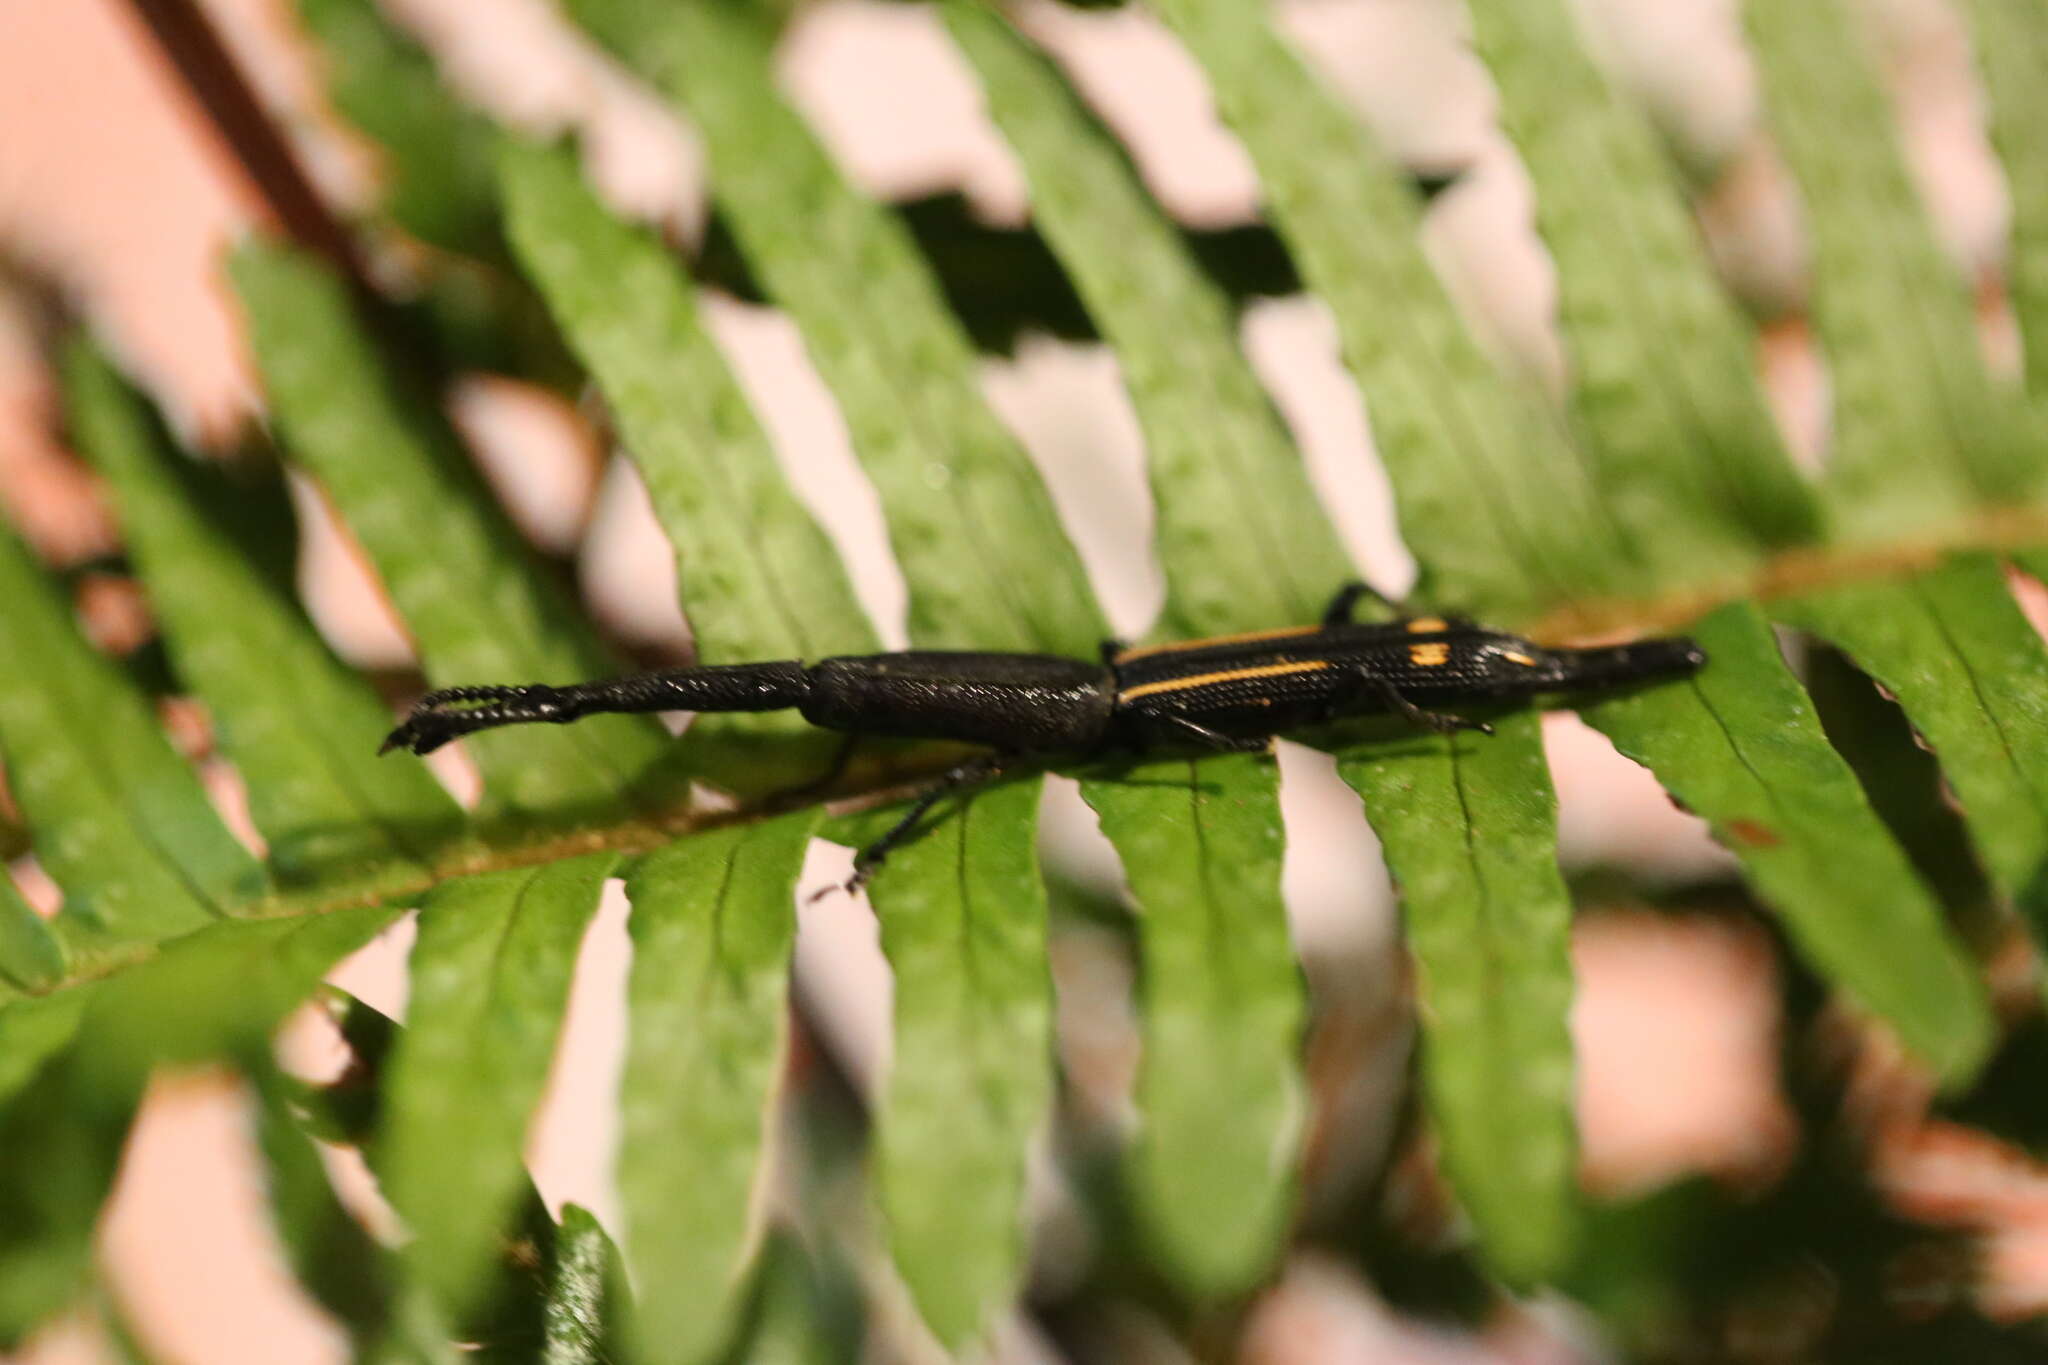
x: 195, y: 51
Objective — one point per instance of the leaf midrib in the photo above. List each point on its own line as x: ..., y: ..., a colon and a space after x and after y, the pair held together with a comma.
x: 1994, y: 714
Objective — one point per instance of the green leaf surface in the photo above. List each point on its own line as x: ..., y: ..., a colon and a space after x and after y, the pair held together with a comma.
x: 509, y: 1313
x: 435, y: 183
x: 1469, y: 825
x: 479, y: 604
x: 302, y: 728
x: 759, y: 579
x: 713, y: 924
x: 30, y: 955
x: 490, y: 980
x: 963, y: 915
x: 416, y: 1333
x: 986, y: 565
x: 33, y: 1030
x: 1460, y: 442
x: 801, y: 1317
x: 971, y: 523
x: 1921, y: 437
x: 1907, y: 790
x: 1502, y: 514
x: 581, y: 1320
x: 2012, y: 51
x: 1740, y: 746
x: 1243, y: 544
x: 1242, y: 538
x: 1660, y: 471
x: 1972, y: 676
x: 982, y: 553
x: 68, y: 1124
x: 1222, y: 1000
x: 479, y: 317
x: 116, y: 816
x: 1689, y: 433
x: 1663, y: 382
x: 334, y: 1257
x: 973, y: 527
x: 435, y: 154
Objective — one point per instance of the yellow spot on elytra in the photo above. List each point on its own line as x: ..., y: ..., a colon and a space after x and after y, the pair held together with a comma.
x: 1514, y: 658
x: 1428, y: 623
x: 1429, y: 656
x: 1228, y: 675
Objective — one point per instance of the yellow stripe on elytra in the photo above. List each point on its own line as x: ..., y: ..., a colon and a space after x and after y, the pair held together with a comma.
x: 1429, y: 656
x: 1176, y: 646
x: 1228, y: 675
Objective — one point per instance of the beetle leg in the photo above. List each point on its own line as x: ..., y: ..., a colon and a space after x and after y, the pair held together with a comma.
x: 1227, y: 744
x: 1423, y: 720
x: 1344, y: 605
x: 842, y: 758
x: 866, y: 862
x: 1109, y: 649
x: 1339, y: 612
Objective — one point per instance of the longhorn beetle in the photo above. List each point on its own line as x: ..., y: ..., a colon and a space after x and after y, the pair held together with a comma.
x: 1228, y: 694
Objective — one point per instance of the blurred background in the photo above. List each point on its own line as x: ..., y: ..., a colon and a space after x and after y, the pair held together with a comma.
x: 117, y: 194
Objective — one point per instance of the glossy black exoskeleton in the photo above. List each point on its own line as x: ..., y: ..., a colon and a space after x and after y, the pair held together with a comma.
x: 1228, y: 693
